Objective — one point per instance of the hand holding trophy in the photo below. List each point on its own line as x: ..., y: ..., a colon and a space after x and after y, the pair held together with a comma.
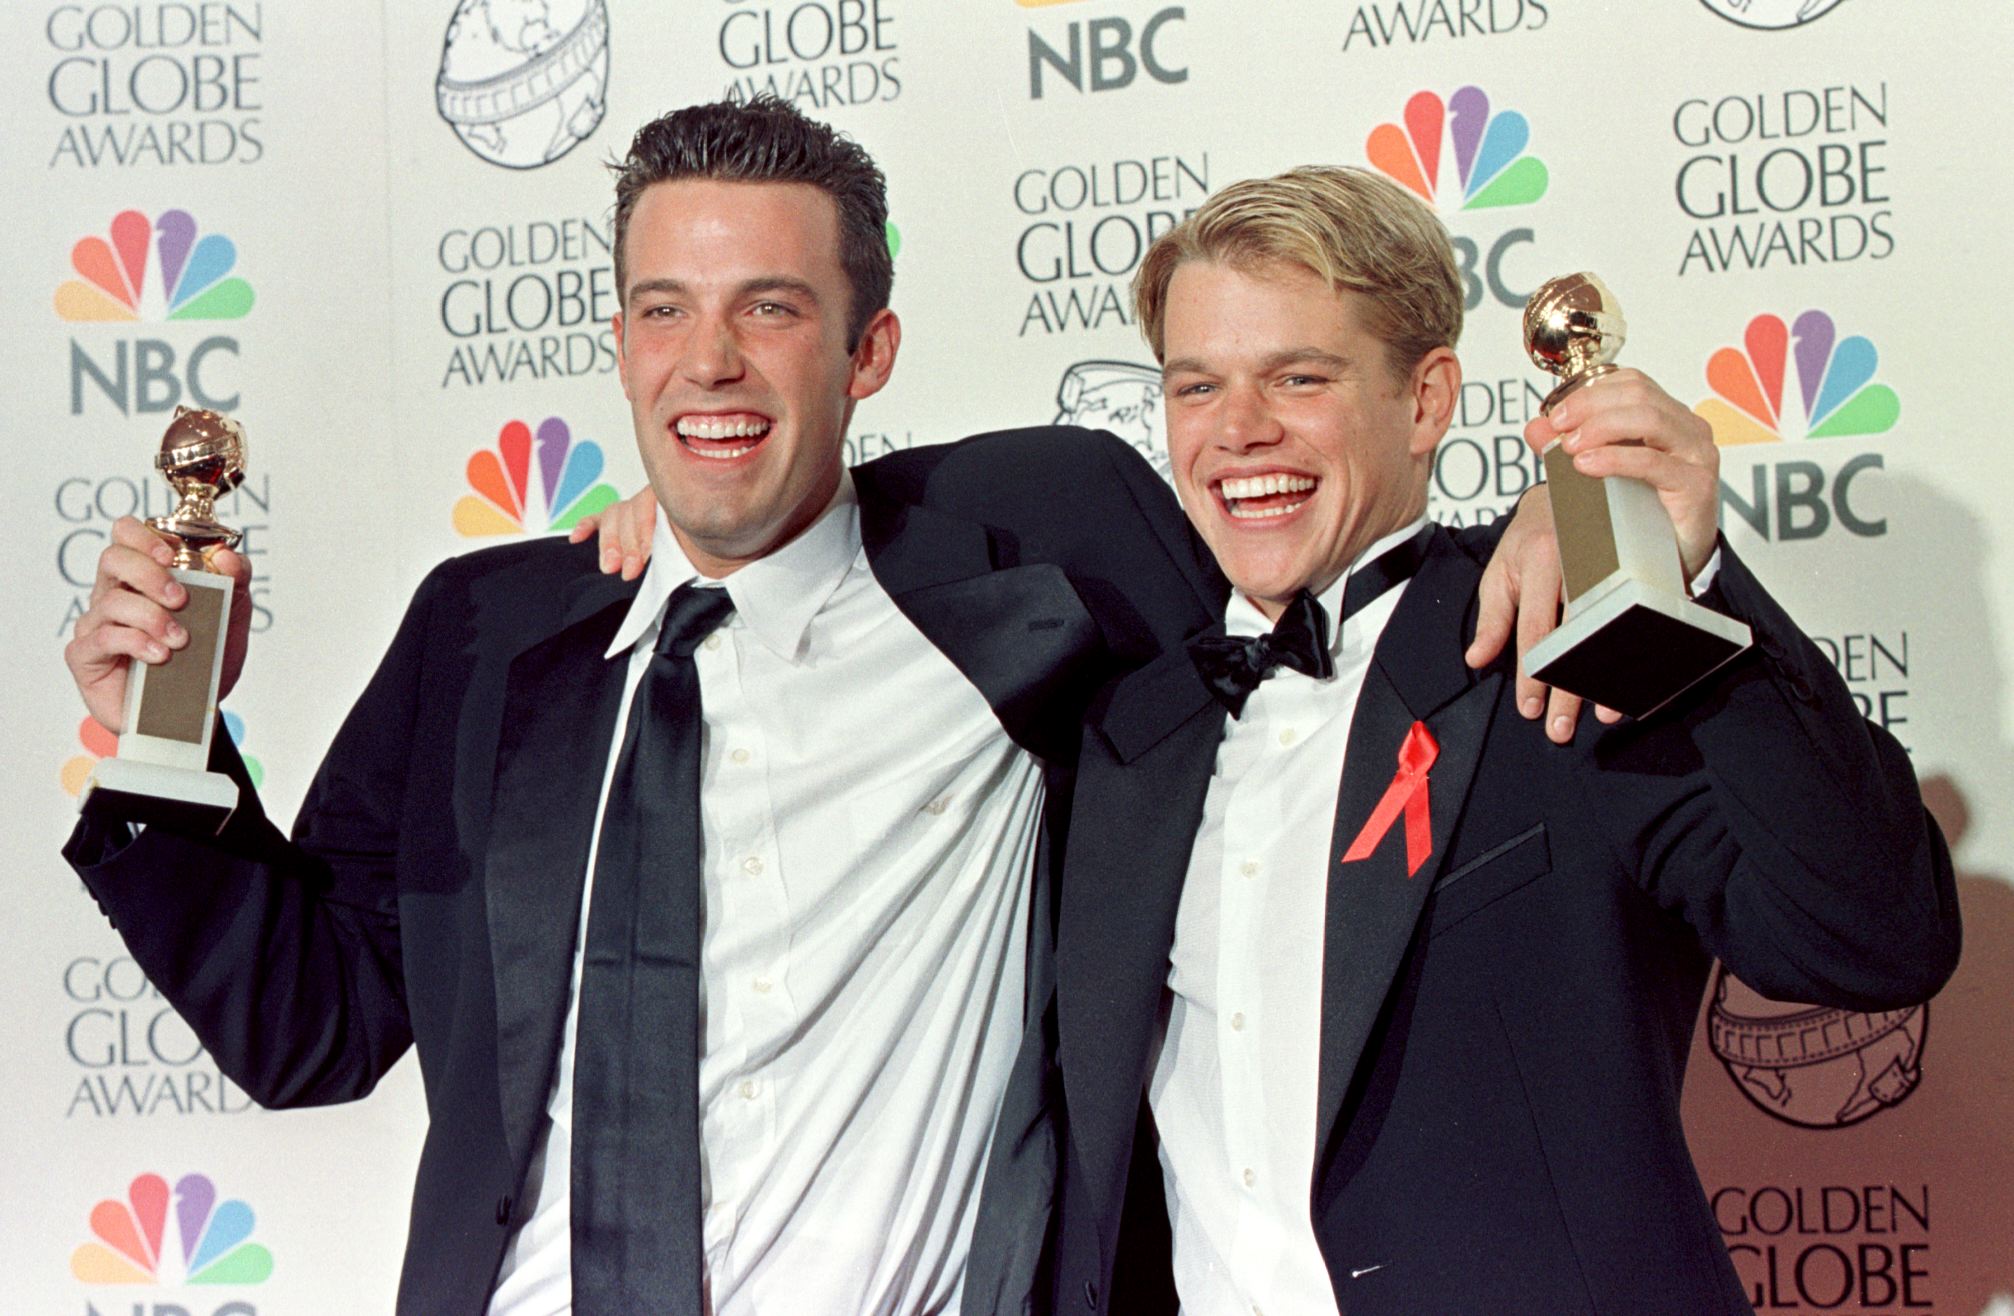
x: 1631, y: 638
x: 161, y: 772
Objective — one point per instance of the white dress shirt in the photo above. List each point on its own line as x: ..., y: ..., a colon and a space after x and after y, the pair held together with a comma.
x: 1234, y: 1081
x: 868, y: 836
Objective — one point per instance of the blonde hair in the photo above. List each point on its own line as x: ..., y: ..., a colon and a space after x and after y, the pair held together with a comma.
x: 1356, y: 230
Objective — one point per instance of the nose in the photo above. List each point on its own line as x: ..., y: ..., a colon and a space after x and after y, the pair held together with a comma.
x: 712, y: 356
x: 1245, y: 422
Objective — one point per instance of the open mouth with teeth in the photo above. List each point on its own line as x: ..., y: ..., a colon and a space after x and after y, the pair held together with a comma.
x: 1265, y: 497
x: 722, y: 438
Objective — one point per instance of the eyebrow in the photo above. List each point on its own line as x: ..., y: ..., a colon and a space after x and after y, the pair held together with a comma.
x: 747, y: 288
x: 1271, y: 362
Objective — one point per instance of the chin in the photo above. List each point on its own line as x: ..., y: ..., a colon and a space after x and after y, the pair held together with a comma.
x: 1265, y: 582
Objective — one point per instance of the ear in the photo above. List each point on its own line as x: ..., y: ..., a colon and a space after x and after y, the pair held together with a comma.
x: 621, y: 356
x: 1436, y: 385
x: 874, y: 359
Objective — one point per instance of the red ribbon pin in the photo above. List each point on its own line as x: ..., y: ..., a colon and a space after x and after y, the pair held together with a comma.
x: 1408, y: 794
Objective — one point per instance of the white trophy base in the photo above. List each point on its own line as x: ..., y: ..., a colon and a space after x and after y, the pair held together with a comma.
x: 1633, y: 647
x: 132, y: 790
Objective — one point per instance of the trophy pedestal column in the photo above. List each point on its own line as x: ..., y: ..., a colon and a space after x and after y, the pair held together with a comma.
x: 1631, y: 639
x: 161, y: 773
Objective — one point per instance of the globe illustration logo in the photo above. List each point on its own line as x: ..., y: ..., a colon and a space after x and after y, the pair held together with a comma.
x: 1817, y: 1066
x: 1777, y: 14
x: 1119, y: 396
x: 522, y: 82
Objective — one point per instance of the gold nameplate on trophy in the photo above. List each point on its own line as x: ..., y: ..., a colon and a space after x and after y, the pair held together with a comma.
x: 161, y: 771
x: 1630, y: 638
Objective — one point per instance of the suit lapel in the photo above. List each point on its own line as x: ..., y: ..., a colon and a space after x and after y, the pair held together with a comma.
x: 1136, y: 810
x: 560, y: 701
x: 1417, y: 674
x: 1020, y: 634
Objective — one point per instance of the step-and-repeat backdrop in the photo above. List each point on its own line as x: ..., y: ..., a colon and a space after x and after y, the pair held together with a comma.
x: 379, y: 235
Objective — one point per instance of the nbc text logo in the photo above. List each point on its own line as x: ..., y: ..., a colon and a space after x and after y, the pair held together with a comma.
x: 500, y: 480
x: 1491, y: 171
x: 211, y: 1238
x: 192, y: 281
x: 1102, y: 54
x: 1835, y: 397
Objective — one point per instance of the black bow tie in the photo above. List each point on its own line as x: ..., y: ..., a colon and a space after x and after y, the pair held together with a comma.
x: 1233, y: 667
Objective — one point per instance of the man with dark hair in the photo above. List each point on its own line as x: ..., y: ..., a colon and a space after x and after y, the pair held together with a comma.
x: 714, y: 903
x: 709, y: 901
x: 767, y: 141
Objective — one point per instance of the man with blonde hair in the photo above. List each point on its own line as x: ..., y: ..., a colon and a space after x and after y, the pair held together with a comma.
x: 1393, y: 997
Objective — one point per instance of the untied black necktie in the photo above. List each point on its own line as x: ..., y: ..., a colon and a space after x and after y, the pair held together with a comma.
x: 1233, y: 667
x: 637, y: 1240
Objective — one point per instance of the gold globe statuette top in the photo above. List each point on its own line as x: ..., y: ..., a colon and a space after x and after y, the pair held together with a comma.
x: 1631, y: 637
x: 162, y: 774
x: 1573, y: 328
x: 202, y: 457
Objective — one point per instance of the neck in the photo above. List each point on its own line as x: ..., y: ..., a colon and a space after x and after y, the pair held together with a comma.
x: 718, y: 561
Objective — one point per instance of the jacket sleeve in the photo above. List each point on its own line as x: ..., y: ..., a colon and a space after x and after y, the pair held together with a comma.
x: 283, y: 954
x: 1796, y: 844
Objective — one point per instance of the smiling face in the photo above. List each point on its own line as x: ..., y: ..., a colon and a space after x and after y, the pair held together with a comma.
x: 732, y: 345
x: 1294, y: 442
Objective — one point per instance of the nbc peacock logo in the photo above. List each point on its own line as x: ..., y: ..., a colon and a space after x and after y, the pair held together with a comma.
x: 500, y: 502
x: 98, y: 743
x: 193, y: 279
x: 1491, y: 166
x: 211, y: 1239
x: 1835, y: 394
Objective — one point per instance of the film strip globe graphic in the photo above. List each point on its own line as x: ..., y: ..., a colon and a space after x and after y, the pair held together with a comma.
x: 1121, y: 396
x: 522, y: 82
x: 1772, y: 15
x: 1815, y: 1066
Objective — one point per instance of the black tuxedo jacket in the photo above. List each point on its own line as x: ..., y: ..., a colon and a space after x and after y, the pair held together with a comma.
x: 430, y: 891
x: 1504, y: 1032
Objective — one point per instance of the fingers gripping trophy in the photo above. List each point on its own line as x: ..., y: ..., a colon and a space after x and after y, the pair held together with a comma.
x: 1630, y: 637
x: 161, y: 772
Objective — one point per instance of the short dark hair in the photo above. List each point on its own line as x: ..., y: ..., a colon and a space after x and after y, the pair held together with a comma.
x: 766, y: 140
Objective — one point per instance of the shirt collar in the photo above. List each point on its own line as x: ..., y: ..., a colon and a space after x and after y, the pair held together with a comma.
x: 775, y: 596
x: 1242, y: 616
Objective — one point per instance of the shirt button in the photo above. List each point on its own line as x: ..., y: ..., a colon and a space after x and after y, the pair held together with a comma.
x: 762, y: 986
x: 741, y: 756
x: 749, y: 1089
x: 752, y: 865
x: 713, y: 640
x: 1250, y: 1179
x: 1287, y: 736
x: 1238, y: 1022
x: 1250, y: 868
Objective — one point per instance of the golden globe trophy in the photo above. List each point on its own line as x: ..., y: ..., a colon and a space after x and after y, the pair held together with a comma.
x: 161, y: 772
x: 1630, y: 637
